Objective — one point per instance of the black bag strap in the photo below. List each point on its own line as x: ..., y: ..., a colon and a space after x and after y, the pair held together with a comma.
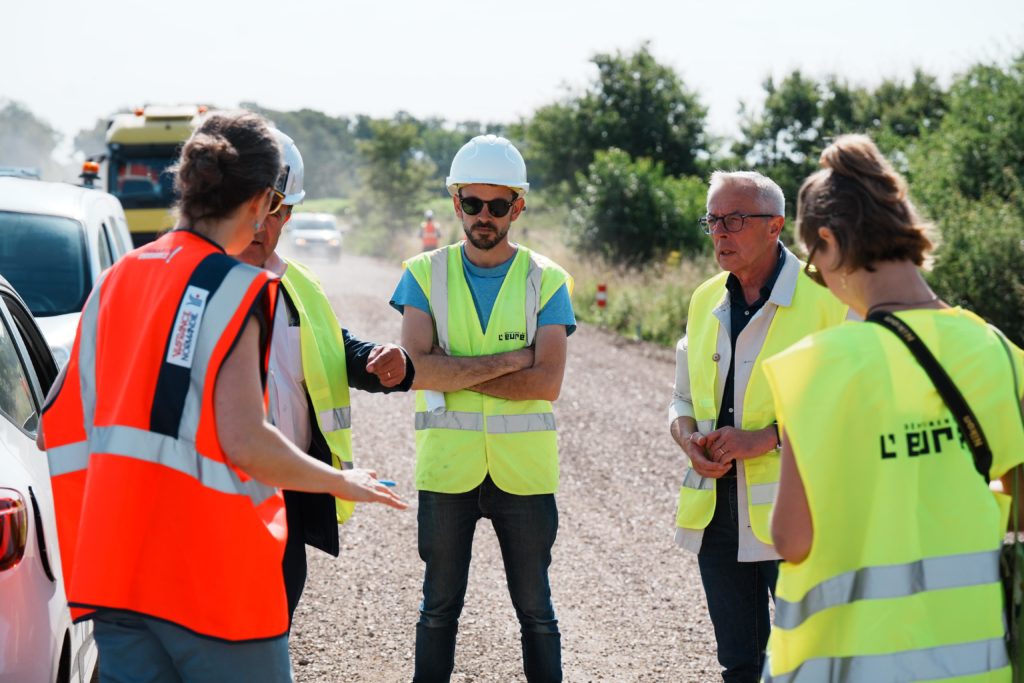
x: 970, y: 428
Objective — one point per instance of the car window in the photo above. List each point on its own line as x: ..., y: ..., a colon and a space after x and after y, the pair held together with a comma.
x: 40, y: 357
x: 300, y: 222
x: 45, y: 259
x: 16, y: 402
x: 122, y: 248
x: 104, y: 248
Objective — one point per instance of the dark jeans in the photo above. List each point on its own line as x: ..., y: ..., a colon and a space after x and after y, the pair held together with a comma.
x: 526, y: 527
x: 737, y: 592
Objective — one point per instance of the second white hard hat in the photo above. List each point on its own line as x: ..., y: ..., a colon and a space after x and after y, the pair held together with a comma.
x: 293, y: 173
x: 488, y: 160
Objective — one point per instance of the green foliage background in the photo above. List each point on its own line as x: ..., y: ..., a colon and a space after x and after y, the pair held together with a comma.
x: 618, y: 169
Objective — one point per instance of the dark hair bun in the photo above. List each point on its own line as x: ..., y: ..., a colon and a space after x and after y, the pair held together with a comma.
x: 864, y: 201
x: 203, y: 162
x: 229, y: 159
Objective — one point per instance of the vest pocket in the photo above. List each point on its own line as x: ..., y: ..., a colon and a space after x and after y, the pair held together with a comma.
x: 696, y: 501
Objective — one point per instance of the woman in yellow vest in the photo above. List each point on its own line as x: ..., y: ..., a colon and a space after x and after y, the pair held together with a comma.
x: 890, y: 535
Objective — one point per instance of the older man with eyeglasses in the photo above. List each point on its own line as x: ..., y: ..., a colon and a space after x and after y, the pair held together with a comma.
x: 722, y: 415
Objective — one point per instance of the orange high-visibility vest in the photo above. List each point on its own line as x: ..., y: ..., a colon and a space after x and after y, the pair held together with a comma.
x: 430, y: 235
x: 151, y: 516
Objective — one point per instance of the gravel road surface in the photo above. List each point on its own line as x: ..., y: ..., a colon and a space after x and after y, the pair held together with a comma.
x: 629, y: 602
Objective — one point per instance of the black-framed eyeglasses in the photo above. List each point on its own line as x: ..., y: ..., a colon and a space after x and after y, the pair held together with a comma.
x: 498, y: 208
x: 732, y: 222
x: 811, y: 271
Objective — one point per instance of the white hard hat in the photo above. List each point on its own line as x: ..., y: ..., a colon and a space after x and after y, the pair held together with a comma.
x: 488, y: 160
x: 428, y: 214
x: 292, y: 175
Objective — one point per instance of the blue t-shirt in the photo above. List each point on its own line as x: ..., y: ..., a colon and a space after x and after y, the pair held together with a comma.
x: 484, y: 285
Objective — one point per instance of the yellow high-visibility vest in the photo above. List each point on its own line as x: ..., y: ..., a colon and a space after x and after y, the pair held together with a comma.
x: 902, y: 579
x: 323, y: 367
x: 513, y: 441
x: 812, y: 308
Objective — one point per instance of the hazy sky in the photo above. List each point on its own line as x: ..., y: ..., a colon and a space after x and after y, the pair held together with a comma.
x: 72, y: 62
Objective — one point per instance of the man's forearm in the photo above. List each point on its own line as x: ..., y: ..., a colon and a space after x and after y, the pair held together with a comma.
x: 454, y: 373
x: 531, y: 384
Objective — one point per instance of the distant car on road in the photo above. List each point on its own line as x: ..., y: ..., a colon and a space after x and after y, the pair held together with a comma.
x: 315, y: 234
x: 38, y: 642
x: 55, y: 240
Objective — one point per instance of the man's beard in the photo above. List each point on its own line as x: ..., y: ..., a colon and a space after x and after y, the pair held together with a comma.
x: 485, y: 240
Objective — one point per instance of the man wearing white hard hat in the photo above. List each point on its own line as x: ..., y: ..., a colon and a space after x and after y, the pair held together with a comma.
x: 313, y: 362
x: 486, y: 321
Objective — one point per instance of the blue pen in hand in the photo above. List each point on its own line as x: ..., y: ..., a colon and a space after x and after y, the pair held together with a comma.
x: 386, y: 482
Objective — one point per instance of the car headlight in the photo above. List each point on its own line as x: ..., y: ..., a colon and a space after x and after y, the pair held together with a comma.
x: 334, y: 242
x: 60, y: 355
x: 301, y: 241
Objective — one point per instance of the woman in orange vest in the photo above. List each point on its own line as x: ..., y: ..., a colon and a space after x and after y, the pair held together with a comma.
x: 165, y: 473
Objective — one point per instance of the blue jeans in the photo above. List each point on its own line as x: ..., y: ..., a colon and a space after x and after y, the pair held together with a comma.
x: 737, y: 592
x: 526, y: 527
x: 137, y: 649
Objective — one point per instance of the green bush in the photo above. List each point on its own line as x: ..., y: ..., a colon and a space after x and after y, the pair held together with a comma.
x: 629, y: 211
x: 981, y: 263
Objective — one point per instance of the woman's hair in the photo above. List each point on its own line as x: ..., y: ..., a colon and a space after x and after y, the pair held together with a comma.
x: 864, y: 201
x: 229, y: 159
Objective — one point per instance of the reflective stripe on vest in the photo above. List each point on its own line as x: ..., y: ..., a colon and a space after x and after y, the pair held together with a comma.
x: 439, y: 297
x: 335, y: 419
x: 890, y: 581
x: 158, y: 449
x: 216, y: 319
x: 693, y: 480
x: 496, y: 424
x: 450, y: 419
x: 934, y: 663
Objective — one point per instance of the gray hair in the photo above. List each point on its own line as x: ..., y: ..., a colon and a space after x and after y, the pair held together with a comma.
x: 769, y: 194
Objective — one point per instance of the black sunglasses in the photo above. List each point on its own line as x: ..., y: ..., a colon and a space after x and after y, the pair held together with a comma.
x: 812, y: 271
x: 471, y: 206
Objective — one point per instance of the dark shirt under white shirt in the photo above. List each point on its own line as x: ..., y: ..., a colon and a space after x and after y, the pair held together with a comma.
x: 740, y: 314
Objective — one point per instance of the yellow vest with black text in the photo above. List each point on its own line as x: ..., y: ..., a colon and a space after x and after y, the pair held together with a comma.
x: 812, y: 308
x: 323, y: 367
x: 475, y: 434
x: 902, y: 579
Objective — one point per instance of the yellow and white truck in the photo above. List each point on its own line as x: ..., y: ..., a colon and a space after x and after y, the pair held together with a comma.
x: 141, y: 145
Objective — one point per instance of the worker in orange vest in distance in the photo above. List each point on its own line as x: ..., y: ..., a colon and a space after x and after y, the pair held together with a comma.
x: 429, y: 232
x: 165, y: 473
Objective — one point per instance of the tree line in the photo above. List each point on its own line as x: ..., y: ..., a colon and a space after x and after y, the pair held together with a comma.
x: 630, y: 151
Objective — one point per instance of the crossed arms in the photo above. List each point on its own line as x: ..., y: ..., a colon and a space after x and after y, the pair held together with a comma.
x: 533, y: 373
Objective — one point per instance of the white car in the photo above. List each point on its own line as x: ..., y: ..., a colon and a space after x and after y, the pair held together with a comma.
x: 55, y: 240
x: 315, y: 234
x: 38, y: 642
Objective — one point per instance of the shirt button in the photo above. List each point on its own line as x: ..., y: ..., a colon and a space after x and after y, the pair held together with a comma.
x: 746, y: 312
x: 730, y: 410
x: 716, y: 358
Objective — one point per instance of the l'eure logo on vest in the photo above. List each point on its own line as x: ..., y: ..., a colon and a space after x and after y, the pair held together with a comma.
x: 186, y: 327
x: 512, y: 336
x: 921, y: 438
